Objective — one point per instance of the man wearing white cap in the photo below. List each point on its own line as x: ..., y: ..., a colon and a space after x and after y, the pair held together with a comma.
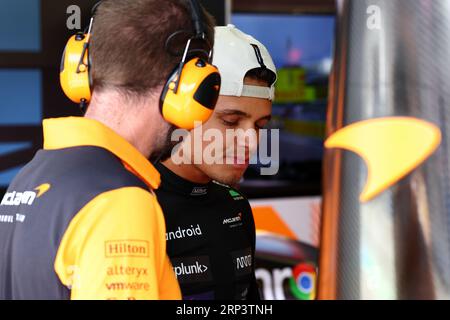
x: 210, y: 227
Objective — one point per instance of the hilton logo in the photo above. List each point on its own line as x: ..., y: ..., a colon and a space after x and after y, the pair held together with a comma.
x: 126, y: 248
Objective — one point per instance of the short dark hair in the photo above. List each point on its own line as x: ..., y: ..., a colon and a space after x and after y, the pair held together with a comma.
x: 262, y: 74
x: 128, y: 51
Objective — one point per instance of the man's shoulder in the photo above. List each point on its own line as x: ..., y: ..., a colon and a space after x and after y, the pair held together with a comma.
x: 92, y: 167
x: 76, y: 174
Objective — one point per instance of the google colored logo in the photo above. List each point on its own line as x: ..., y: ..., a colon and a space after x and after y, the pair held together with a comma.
x: 303, y: 282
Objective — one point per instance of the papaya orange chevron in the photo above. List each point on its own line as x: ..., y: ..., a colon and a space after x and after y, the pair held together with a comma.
x: 267, y: 219
x: 391, y: 148
x: 43, y: 188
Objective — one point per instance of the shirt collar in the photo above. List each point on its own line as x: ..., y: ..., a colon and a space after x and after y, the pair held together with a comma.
x: 172, y: 182
x: 76, y: 131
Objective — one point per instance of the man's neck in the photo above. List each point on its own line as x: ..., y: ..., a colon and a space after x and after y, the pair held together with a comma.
x: 109, y: 110
x: 187, y: 171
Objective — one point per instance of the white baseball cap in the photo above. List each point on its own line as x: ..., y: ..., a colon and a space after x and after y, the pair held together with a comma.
x: 236, y: 53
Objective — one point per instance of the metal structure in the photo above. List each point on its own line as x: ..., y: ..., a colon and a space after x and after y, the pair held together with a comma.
x: 391, y: 59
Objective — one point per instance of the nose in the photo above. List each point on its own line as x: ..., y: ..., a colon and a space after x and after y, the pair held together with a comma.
x: 247, y: 140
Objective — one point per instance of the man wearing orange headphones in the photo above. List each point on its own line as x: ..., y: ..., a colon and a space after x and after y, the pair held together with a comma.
x: 210, y: 228
x: 80, y: 221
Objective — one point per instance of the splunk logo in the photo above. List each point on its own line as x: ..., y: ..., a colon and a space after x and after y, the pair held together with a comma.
x: 183, y: 233
x: 187, y: 269
x: 192, y: 269
x: 15, y: 198
x: 282, y: 283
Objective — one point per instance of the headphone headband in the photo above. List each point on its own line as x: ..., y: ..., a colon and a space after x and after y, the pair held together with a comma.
x: 197, y: 20
x: 95, y: 7
x: 189, y: 95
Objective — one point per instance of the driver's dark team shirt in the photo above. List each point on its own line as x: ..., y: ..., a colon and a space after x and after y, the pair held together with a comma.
x: 210, y: 235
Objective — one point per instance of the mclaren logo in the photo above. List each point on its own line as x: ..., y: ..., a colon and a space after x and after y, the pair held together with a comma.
x: 15, y: 198
x: 391, y: 148
x: 43, y: 188
x: 238, y: 218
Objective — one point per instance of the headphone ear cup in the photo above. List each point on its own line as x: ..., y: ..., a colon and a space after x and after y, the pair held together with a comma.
x: 75, y: 82
x: 196, y: 97
x: 170, y: 83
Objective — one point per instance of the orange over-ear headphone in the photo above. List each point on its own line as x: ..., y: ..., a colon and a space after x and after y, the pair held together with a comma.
x: 189, y: 95
x: 74, y: 73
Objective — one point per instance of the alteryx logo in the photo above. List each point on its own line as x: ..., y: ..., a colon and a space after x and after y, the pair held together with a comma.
x: 303, y: 282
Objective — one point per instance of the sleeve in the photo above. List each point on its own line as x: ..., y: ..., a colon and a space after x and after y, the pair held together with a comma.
x: 171, y: 290
x: 114, y: 248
